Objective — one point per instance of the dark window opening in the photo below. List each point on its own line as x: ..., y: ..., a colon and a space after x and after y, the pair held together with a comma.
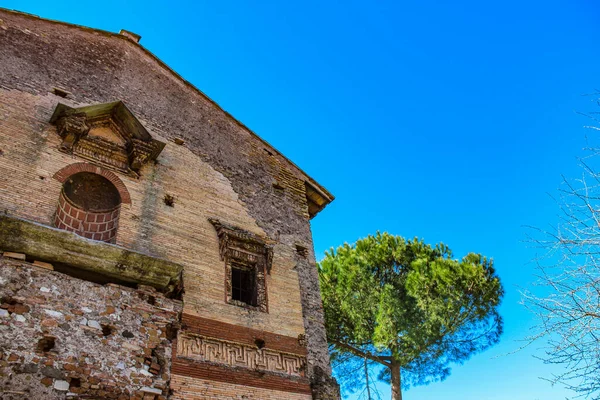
x: 243, y: 285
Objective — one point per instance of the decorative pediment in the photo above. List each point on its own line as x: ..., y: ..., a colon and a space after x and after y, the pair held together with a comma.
x: 108, y: 134
x: 243, y: 245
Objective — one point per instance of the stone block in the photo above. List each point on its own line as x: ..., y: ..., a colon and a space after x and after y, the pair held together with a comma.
x: 63, y: 386
x: 16, y: 256
x: 44, y: 265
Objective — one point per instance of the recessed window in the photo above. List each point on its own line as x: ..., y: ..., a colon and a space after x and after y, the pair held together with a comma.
x: 247, y: 263
x: 243, y: 285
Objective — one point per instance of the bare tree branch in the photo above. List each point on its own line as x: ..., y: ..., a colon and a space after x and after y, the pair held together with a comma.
x: 566, y: 297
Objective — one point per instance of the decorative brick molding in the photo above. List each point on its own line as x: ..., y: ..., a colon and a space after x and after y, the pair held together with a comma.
x: 241, y: 334
x: 232, y: 354
x: 95, y: 225
x: 239, y: 376
x: 63, y: 174
x: 239, y: 247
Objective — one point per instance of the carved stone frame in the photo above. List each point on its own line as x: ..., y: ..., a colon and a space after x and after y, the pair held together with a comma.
x: 73, y: 125
x: 237, y: 246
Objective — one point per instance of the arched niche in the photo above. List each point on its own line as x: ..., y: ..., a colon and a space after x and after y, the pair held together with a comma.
x: 89, y: 205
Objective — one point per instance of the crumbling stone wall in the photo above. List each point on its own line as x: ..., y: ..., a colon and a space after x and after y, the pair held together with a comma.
x: 61, y: 337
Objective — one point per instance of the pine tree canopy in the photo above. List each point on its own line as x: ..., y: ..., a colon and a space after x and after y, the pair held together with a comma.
x: 409, y: 306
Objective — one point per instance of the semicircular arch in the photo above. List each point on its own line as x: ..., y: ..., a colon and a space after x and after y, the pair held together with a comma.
x: 64, y: 173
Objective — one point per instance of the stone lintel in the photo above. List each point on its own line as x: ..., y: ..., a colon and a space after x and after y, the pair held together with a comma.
x: 56, y: 246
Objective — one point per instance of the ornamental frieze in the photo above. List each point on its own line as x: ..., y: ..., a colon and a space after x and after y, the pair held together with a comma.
x: 206, y: 349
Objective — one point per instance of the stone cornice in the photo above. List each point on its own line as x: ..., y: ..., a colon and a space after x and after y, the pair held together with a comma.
x: 52, y: 245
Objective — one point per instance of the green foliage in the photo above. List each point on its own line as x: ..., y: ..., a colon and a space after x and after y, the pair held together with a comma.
x: 389, y: 299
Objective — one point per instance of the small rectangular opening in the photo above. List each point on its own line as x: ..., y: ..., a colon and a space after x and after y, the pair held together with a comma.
x: 302, y: 251
x: 60, y: 92
x: 243, y: 285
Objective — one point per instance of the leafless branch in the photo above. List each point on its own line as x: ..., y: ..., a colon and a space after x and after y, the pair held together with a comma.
x: 566, y: 297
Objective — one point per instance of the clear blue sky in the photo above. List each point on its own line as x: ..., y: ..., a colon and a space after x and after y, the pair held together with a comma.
x: 450, y: 121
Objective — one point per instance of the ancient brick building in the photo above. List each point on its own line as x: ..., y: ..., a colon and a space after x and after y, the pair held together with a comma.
x: 152, y: 246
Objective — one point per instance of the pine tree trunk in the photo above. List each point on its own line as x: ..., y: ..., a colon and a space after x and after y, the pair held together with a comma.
x: 396, y: 390
x: 367, y: 379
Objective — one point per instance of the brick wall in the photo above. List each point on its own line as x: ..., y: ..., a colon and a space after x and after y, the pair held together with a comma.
x: 30, y: 187
x: 100, y: 225
x: 218, y: 169
x: 238, y: 355
x: 241, y: 377
x: 188, y: 388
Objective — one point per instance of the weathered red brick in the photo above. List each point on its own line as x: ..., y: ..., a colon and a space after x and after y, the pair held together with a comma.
x: 20, y: 308
x: 49, y: 323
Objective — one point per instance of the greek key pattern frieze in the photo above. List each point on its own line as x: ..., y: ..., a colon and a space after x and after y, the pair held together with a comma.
x: 232, y: 354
